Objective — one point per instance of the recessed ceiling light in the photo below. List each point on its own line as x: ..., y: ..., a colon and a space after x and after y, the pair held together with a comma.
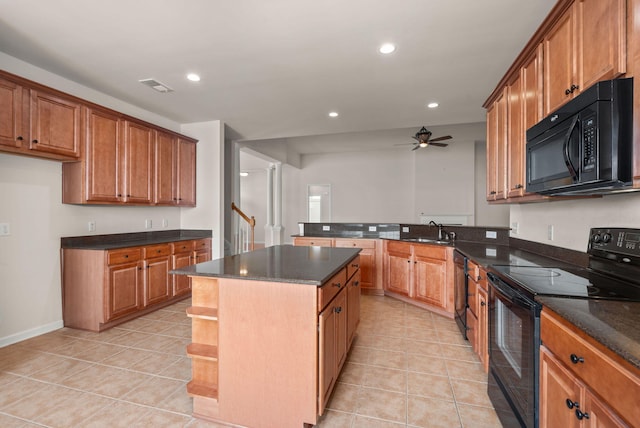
x: 244, y: 174
x: 432, y: 105
x: 387, y: 48
x: 333, y: 114
x: 193, y: 77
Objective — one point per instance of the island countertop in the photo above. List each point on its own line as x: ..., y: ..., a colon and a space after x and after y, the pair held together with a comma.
x: 279, y: 263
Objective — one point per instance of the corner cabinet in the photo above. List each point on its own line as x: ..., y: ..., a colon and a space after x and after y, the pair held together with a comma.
x: 103, y: 288
x: 421, y: 274
x: 581, y: 384
x: 580, y: 43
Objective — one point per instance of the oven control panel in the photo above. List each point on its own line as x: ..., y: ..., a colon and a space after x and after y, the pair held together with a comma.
x: 614, y: 241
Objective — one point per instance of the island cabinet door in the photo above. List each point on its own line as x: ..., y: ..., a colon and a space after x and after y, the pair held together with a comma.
x: 353, y: 304
x: 327, y: 372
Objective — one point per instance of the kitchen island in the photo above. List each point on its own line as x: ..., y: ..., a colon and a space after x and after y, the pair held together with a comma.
x: 270, y: 332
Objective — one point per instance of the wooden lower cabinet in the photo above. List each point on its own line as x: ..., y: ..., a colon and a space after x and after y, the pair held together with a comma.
x: 478, y: 313
x: 422, y: 274
x: 102, y: 288
x: 269, y: 353
x: 581, y: 384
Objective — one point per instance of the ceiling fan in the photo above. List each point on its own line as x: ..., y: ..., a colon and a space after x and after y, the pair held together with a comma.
x: 423, y: 138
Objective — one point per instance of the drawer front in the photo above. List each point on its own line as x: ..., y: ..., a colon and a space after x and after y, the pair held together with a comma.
x: 202, y: 244
x: 156, y: 251
x: 619, y: 386
x: 399, y: 247
x: 438, y: 252
x: 353, y: 266
x: 123, y: 255
x: 355, y: 243
x: 473, y: 297
x: 329, y: 290
x: 182, y: 247
x: 474, y: 271
x: 315, y: 242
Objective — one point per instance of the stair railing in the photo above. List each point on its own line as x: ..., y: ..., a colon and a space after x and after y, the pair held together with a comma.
x: 245, y: 235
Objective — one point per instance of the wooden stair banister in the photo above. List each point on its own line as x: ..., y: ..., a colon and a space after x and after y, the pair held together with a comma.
x: 250, y: 220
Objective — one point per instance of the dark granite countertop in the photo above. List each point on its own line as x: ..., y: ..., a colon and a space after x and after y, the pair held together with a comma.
x: 135, y: 239
x: 280, y: 263
x: 612, y: 323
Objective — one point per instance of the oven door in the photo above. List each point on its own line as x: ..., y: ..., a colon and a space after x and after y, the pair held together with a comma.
x: 514, y: 346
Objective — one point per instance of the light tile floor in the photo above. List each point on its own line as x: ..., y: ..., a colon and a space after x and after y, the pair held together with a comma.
x: 407, y: 367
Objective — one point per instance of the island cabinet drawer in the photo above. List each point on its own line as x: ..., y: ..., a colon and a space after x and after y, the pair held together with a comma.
x: 617, y: 382
x: 329, y: 290
x: 352, y: 267
x: 438, y: 252
x: 182, y: 247
x: 474, y: 271
x: 160, y: 250
x: 355, y: 243
x: 123, y: 255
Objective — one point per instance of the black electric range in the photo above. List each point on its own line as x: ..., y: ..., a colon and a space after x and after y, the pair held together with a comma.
x: 613, y: 272
x: 514, y: 316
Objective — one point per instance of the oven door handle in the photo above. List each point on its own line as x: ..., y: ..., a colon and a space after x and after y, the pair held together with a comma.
x: 509, y: 292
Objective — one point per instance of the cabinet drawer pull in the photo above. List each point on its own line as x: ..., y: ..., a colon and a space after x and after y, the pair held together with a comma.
x: 575, y: 359
x: 581, y: 415
x: 356, y: 283
x: 483, y: 304
x: 19, y: 138
x: 338, y: 309
x: 34, y: 141
x: 355, y: 265
x: 519, y: 186
x: 337, y: 284
x: 567, y: 91
x: 572, y: 404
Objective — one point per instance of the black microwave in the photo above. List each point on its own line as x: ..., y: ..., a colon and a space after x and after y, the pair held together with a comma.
x: 586, y: 146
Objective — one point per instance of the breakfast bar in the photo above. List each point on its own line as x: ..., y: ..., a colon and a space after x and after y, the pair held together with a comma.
x: 270, y: 332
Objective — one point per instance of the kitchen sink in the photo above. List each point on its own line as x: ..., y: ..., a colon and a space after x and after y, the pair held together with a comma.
x: 428, y: 241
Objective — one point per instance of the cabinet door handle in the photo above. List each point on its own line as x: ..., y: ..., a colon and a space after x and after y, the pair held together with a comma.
x: 34, y: 141
x: 575, y: 359
x: 581, y: 415
x: 355, y: 265
x: 19, y: 138
x: 337, y: 284
x: 567, y: 91
x: 338, y: 309
x: 519, y: 186
x: 493, y: 192
x: 483, y: 304
x: 572, y: 404
x: 356, y: 283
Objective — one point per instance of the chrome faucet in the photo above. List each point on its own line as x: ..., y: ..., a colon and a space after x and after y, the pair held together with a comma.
x: 439, y: 226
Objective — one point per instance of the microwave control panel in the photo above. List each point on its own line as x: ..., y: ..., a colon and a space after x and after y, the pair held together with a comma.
x: 589, y: 145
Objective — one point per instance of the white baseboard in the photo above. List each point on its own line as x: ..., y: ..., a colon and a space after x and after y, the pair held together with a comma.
x: 28, y: 334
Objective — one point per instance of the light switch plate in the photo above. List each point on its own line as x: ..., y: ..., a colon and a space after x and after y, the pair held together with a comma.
x: 405, y: 229
x: 490, y: 252
x: 5, y: 229
x: 491, y: 234
x: 372, y: 228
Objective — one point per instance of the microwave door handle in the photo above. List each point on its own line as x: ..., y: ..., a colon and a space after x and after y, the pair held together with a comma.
x: 565, y: 150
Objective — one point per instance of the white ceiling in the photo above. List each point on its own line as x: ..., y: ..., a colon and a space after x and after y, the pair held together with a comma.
x: 275, y: 68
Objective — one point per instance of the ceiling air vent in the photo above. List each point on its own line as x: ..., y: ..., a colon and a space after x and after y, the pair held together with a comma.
x: 154, y: 84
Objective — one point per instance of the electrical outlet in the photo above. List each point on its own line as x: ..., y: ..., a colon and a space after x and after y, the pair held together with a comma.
x: 326, y: 228
x: 91, y: 225
x: 165, y: 222
x: 491, y: 234
x: 514, y: 227
x: 372, y: 228
x: 148, y: 224
x: 550, y: 232
x: 5, y: 229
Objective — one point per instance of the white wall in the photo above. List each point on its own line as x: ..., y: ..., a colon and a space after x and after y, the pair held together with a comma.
x: 31, y: 192
x: 571, y: 220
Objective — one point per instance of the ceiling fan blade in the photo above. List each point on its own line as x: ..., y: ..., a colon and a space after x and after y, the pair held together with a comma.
x: 446, y: 137
x: 406, y: 144
x: 431, y: 143
x: 416, y: 147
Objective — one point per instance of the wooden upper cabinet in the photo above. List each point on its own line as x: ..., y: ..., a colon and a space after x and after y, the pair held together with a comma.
x: 138, y: 162
x: 587, y: 44
x: 497, y: 148
x: 103, y: 164
x: 165, y: 168
x: 55, y: 124
x: 11, y: 125
x: 186, y: 173
x: 516, y: 139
